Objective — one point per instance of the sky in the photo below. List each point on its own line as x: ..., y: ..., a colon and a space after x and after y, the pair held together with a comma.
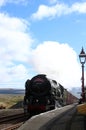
x: 41, y: 36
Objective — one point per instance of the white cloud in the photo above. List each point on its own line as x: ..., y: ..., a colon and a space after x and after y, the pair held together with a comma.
x: 4, y: 2
x: 46, y: 11
x: 13, y: 36
x: 79, y: 7
x: 15, y: 45
x: 58, y: 61
x: 18, y: 1
x: 53, y: 1
x: 59, y: 9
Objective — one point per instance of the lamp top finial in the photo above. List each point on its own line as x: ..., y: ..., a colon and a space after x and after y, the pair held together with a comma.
x: 82, y: 51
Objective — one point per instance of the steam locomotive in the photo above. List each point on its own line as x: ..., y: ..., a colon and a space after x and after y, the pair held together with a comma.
x: 43, y: 94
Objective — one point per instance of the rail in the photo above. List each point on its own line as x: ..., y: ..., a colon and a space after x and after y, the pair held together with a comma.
x: 13, y: 121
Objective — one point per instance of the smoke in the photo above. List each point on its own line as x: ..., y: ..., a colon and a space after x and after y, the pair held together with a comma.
x: 58, y: 61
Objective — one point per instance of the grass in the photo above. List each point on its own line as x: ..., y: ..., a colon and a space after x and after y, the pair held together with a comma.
x: 10, y: 100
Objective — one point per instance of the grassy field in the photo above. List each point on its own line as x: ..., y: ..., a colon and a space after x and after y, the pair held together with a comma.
x: 10, y: 100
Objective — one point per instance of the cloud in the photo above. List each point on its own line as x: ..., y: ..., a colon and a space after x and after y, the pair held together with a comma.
x: 52, y: 1
x: 79, y: 7
x: 18, y: 1
x: 58, y: 9
x: 58, y: 61
x: 14, y: 37
x: 15, y: 45
x: 4, y: 2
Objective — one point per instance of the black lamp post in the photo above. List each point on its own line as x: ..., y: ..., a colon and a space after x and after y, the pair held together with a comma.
x: 82, y: 57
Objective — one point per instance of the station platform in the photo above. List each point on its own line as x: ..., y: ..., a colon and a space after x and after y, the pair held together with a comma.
x: 81, y: 109
x: 71, y: 117
x: 79, y: 122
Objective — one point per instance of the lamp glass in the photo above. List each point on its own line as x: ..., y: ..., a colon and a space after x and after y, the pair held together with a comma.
x: 82, y: 59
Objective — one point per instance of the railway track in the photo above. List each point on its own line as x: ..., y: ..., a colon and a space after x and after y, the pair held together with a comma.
x: 13, y: 121
x: 13, y: 127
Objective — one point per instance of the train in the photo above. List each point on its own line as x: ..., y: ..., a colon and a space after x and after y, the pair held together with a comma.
x: 43, y: 94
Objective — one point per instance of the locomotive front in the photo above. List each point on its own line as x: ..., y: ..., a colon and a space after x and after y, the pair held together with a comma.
x: 38, y: 95
x: 39, y: 86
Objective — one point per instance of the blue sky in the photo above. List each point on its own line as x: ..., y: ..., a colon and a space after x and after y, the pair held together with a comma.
x: 41, y: 36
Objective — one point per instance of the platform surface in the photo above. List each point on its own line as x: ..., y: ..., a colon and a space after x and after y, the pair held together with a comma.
x: 82, y: 109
